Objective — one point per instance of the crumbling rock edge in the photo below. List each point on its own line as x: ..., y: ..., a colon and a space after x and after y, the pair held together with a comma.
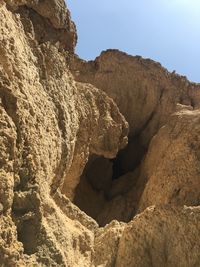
x: 54, y: 121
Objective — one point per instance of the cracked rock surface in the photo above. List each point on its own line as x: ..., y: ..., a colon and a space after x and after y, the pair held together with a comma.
x: 99, y: 160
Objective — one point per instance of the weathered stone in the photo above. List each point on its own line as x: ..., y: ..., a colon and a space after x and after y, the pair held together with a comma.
x: 49, y: 126
x: 60, y: 138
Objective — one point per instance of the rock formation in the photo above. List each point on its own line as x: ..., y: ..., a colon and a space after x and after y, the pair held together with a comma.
x: 99, y: 161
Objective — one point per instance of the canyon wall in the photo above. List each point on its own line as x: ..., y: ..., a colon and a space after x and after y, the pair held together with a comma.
x: 99, y: 160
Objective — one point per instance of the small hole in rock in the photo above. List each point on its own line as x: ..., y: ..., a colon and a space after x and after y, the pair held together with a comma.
x: 27, y: 234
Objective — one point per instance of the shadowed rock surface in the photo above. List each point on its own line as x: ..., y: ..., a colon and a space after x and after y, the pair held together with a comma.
x: 99, y: 161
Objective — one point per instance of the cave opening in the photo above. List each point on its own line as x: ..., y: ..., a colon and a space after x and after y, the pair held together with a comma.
x: 128, y: 159
x: 107, y: 188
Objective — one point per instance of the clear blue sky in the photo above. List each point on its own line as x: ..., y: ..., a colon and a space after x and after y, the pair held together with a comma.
x: 167, y: 31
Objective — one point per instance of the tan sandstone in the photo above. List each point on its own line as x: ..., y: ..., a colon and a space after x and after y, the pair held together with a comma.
x: 63, y: 122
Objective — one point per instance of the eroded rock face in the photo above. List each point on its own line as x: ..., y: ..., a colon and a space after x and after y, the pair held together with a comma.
x: 161, y: 236
x: 172, y: 162
x: 49, y: 126
x: 144, y: 91
x: 158, y: 236
x: 160, y: 163
x: 60, y: 136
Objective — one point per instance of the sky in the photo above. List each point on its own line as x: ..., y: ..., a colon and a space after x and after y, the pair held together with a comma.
x: 167, y: 31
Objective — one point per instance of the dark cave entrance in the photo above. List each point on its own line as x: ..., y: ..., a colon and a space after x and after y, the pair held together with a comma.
x: 129, y: 158
x: 105, y: 182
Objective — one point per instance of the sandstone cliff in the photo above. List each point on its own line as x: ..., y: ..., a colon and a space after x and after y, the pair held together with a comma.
x: 99, y: 161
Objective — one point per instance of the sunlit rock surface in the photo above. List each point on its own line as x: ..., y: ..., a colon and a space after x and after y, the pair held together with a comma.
x: 84, y: 144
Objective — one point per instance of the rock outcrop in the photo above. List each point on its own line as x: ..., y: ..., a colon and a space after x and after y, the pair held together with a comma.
x: 117, y: 138
x: 159, y: 236
x: 160, y: 163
